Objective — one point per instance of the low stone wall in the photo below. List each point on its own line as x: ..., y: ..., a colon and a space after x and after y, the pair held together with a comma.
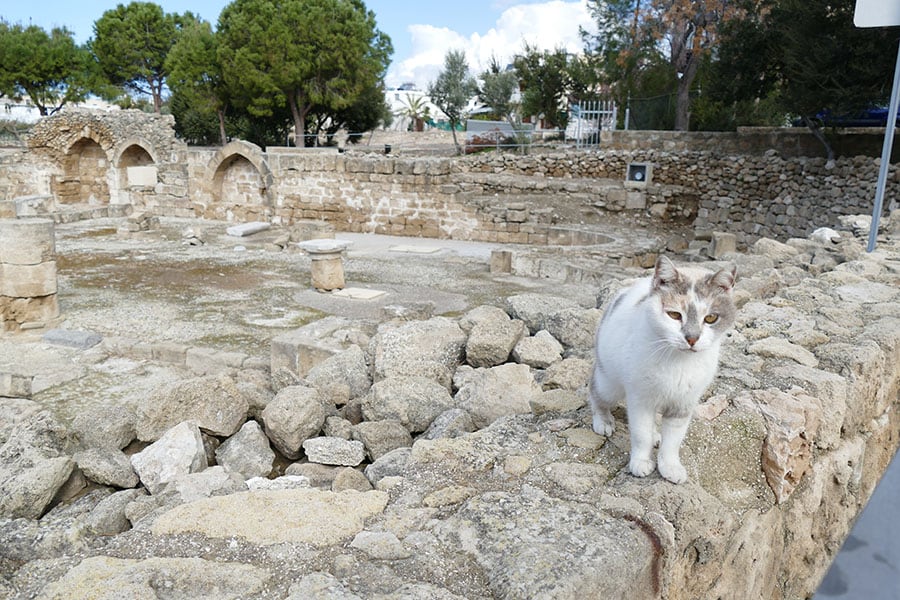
x: 755, y: 182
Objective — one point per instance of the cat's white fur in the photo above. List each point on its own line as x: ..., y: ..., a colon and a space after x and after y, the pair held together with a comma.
x: 657, y: 363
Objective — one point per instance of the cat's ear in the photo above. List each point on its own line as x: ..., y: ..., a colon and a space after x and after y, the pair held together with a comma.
x: 724, y: 278
x: 665, y: 272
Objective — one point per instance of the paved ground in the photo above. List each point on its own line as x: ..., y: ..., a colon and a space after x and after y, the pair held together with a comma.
x: 868, y: 565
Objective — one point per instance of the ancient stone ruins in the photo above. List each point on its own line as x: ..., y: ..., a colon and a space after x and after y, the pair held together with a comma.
x: 219, y: 379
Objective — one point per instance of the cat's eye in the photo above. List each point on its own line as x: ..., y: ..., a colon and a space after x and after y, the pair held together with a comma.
x: 674, y: 314
x: 710, y: 318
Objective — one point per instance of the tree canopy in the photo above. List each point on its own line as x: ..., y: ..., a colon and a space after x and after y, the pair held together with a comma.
x: 452, y: 90
x: 50, y: 69
x: 131, y: 43
x: 545, y: 81
x: 301, y: 54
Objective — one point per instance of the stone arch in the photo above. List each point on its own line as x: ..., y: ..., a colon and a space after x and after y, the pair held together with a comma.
x: 136, y: 164
x: 241, y: 175
x: 85, y: 167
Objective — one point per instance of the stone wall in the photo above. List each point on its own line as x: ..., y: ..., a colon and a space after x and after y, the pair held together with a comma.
x: 752, y: 183
x: 27, y: 274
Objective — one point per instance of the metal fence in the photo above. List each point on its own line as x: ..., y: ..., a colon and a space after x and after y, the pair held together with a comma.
x: 588, y: 118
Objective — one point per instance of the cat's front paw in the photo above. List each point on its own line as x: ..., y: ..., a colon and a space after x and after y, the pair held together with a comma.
x: 604, y: 424
x: 672, y: 471
x: 640, y: 467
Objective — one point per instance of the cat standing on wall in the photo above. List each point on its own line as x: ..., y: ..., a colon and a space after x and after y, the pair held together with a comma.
x: 657, y: 348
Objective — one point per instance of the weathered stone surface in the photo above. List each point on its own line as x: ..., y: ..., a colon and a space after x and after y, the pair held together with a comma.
x: 247, y: 452
x: 33, y: 466
x: 413, y: 401
x: 556, y: 400
x: 388, y: 465
x: 104, y: 577
x: 492, y: 338
x: 294, y: 415
x: 413, y: 348
x: 775, y: 347
x: 774, y: 249
x: 214, y: 403
x: 108, y: 517
x: 380, y: 437
x: 522, y: 562
x: 350, y: 479
x: 380, y: 545
x: 568, y: 374
x: 285, y: 482
x: 107, y: 467
x: 792, y: 421
x: 538, y: 351
x: 82, y: 340
x: 575, y: 327
x: 450, y: 423
x: 27, y: 241
x: 178, y: 452
x: 319, y: 585
x: 491, y: 393
x: 334, y: 451
x: 106, y: 427
x: 535, y: 309
x: 346, y: 370
x: 308, y: 516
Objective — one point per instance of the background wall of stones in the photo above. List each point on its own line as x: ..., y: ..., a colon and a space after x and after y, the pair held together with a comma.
x: 756, y: 183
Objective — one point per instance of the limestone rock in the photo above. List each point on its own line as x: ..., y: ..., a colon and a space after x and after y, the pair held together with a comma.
x: 520, y: 561
x: 556, y: 401
x: 334, y: 451
x: 450, y: 423
x: 538, y: 351
x: 488, y: 394
x: 775, y: 250
x: 388, y: 465
x: 492, y: 338
x: 33, y: 466
x: 111, y: 427
x: 320, y: 586
x: 294, y: 415
x: 301, y: 516
x: 345, y: 370
x: 108, y: 517
x: 178, y: 452
x: 107, y: 467
x: 775, y: 347
x: 418, y: 347
x: 568, y: 374
x: 534, y: 309
x: 247, y: 452
x: 214, y: 403
x: 285, y: 482
x: 792, y: 422
x: 575, y: 327
x: 105, y: 577
x: 413, y: 401
x: 380, y: 437
x: 350, y: 479
x: 380, y: 545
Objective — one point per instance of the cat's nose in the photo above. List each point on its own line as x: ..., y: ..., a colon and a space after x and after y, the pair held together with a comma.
x: 691, y: 340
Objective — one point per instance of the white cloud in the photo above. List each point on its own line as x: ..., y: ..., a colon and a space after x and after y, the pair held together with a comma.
x: 546, y: 25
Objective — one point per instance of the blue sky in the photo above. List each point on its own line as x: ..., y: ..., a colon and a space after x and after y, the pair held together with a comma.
x: 421, y: 32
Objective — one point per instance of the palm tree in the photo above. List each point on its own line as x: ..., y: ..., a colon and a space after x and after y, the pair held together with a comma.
x: 416, y: 109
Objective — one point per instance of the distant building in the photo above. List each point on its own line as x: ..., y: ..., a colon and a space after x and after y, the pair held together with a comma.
x: 25, y: 111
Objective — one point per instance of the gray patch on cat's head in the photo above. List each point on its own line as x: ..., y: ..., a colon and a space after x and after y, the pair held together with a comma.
x: 673, y: 285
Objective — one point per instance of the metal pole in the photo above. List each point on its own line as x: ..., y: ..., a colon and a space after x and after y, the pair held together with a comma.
x: 890, y: 126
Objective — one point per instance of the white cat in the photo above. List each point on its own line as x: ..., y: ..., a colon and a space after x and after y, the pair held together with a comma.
x: 657, y: 348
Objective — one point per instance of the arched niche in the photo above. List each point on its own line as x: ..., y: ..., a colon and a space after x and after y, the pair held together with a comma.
x: 240, y: 175
x: 85, y: 168
x: 136, y: 165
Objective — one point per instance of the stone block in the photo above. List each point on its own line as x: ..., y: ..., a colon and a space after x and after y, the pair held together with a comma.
x: 721, y: 244
x: 635, y: 201
x: 26, y: 241
x: 28, y: 281
x: 304, y: 348
x: 82, y: 340
x: 17, y: 312
x: 141, y: 176
x: 245, y: 229
x: 501, y: 261
x: 15, y: 385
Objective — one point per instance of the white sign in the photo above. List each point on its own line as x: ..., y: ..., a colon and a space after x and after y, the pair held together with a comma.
x: 877, y: 13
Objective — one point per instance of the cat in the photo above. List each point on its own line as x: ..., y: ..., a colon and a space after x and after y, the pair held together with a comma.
x: 657, y: 348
